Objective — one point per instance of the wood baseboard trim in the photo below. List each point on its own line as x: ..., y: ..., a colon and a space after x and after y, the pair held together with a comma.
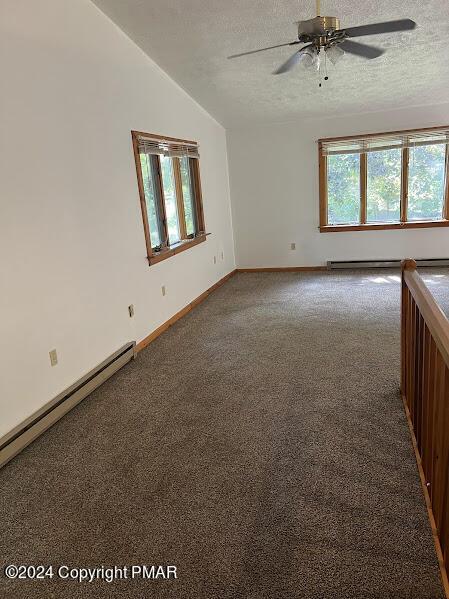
x: 443, y: 572
x: 171, y: 321
x: 284, y: 269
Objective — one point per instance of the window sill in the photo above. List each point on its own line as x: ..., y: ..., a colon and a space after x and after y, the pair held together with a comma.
x: 176, y: 249
x: 385, y: 226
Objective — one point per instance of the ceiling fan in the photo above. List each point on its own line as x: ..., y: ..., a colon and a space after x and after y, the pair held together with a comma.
x: 324, y: 33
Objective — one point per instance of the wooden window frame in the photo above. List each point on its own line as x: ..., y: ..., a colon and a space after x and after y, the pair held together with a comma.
x: 325, y: 227
x: 186, y: 241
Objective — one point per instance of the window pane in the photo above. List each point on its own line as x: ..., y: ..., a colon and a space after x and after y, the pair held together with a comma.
x: 426, y: 182
x: 149, y: 185
x: 187, y: 193
x: 383, y: 201
x: 343, y: 188
x: 171, y: 208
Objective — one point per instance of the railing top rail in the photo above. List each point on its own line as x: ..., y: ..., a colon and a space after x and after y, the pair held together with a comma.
x: 433, y: 315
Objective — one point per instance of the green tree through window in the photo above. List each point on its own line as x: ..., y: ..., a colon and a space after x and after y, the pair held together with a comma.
x: 343, y: 188
x: 426, y: 182
x: 384, y: 186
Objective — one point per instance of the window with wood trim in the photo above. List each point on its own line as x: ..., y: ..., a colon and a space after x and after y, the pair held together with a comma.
x: 385, y: 181
x: 168, y: 177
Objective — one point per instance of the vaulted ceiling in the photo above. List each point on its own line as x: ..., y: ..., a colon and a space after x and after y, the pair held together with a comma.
x: 191, y: 40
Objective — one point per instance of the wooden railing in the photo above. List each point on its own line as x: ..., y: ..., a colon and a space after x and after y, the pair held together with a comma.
x: 425, y: 392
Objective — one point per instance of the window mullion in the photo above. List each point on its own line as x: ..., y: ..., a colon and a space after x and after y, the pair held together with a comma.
x: 162, y: 203
x: 446, y: 186
x: 363, y: 187
x: 195, y: 170
x: 179, y: 199
x: 404, y: 184
x: 322, y: 162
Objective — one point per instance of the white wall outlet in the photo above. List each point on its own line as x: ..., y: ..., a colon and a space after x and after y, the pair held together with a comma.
x: 53, y: 357
x: 131, y: 310
x: 293, y: 246
x: 163, y: 290
x: 215, y: 259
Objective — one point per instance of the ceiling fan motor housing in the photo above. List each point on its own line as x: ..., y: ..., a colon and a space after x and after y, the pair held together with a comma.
x: 318, y: 26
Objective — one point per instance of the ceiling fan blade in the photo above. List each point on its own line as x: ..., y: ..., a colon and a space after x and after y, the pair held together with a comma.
x: 376, y: 28
x: 263, y: 49
x: 360, y: 49
x: 291, y: 62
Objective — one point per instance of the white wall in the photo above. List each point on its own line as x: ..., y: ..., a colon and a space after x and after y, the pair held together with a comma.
x: 71, y: 239
x: 274, y: 192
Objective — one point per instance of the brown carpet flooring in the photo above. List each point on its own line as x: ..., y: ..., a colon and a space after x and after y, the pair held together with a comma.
x: 260, y: 445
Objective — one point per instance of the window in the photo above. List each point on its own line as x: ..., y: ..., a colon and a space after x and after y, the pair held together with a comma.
x: 385, y: 181
x: 383, y: 186
x: 170, y: 194
x: 426, y: 193
x: 343, y: 188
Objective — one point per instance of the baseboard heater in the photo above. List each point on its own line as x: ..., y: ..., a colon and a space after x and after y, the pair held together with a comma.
x: 331, y: 264
x: 26, y: 432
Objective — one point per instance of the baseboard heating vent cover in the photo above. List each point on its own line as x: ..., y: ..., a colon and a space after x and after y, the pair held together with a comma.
x: 26, y: 432
x: 331, y: 264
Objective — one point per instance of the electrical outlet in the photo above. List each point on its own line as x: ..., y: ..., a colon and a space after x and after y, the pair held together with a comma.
x: 222, y: 255
x: 53, y: 357
x: 293, y: 246
x: 163, y: 290
x: 215, y: 259
x: 131, y: 310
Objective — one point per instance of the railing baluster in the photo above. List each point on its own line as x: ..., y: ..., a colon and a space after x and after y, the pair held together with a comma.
x: 411, y: 355
x: 412, y: 360
x: 419, y: 378
x: 432, y: 416
x: 437, y: 429
x: 443, y: 524
x: 425, y: 400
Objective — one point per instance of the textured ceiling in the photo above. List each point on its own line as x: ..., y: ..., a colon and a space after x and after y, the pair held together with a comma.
x: 190, y: 40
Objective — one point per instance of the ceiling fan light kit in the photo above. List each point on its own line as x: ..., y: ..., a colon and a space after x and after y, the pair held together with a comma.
x: 334, y: 53
x: 310, y: 60
x: 324, y: 34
